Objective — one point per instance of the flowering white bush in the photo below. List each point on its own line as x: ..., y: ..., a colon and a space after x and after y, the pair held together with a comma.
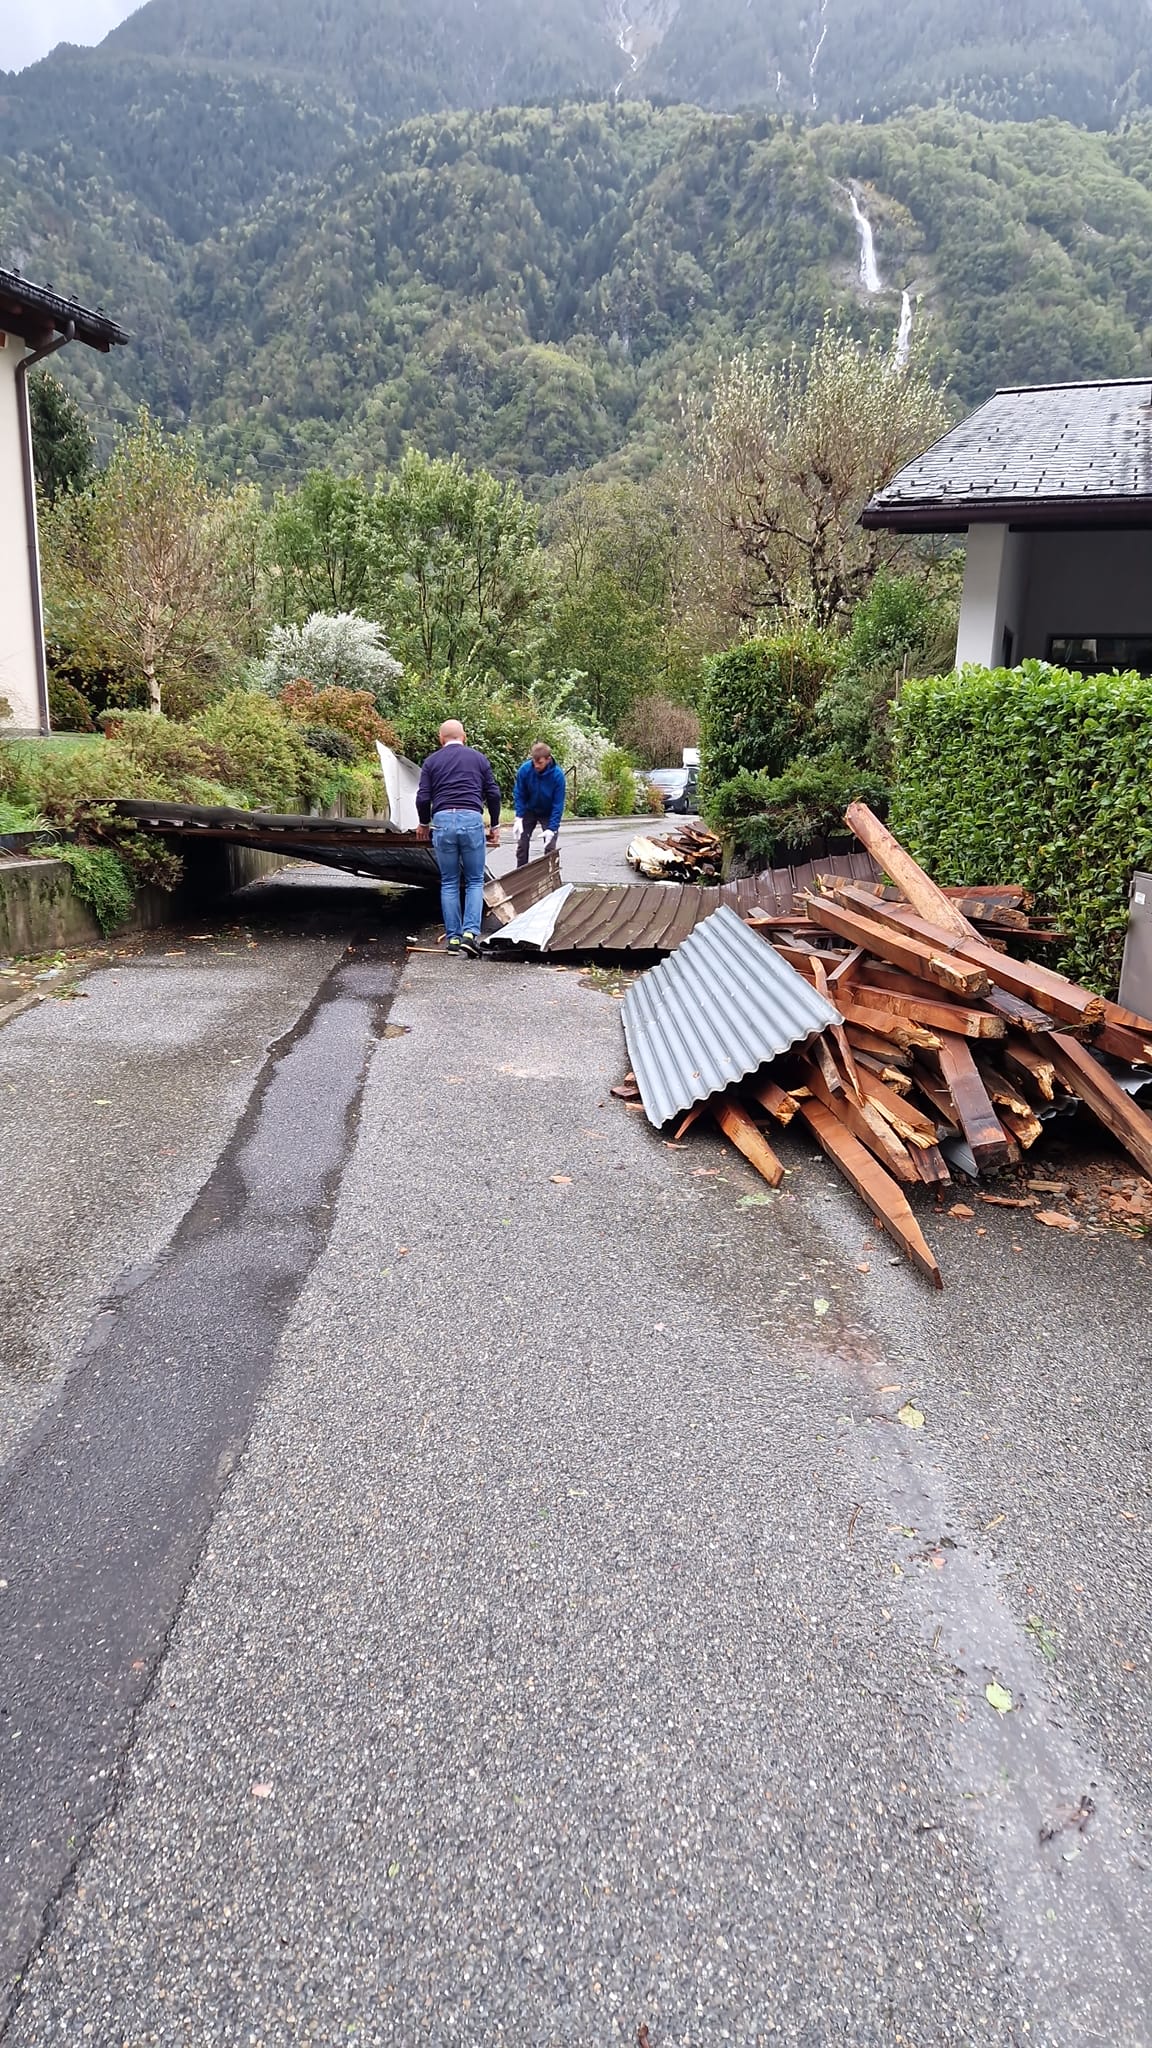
x: 331, y: 649
x: 579, y: 750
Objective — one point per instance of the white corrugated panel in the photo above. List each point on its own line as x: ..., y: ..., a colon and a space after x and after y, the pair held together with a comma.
x: 715, y: 1011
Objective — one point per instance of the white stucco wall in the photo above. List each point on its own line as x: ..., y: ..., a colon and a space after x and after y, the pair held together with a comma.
x: 996, y: 576
x: 19, y: 624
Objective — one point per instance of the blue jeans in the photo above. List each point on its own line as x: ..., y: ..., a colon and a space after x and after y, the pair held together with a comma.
x: 458, y: 843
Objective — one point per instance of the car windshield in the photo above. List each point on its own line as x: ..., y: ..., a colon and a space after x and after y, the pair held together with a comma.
x: 668, y: 778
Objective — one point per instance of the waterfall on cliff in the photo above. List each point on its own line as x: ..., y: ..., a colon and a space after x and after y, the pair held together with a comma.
x: 903, y: 347
x: 869, y: 275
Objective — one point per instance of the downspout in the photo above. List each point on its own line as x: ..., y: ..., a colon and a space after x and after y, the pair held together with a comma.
x: 25, y: 364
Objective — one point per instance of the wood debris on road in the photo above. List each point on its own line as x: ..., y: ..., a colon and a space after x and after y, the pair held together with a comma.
x: 953, y: 1052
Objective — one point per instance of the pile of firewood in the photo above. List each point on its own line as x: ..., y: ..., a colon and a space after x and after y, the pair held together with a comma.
x: 691, y: 854
x: 948, y: 1044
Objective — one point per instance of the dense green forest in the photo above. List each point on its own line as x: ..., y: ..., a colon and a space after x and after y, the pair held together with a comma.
x: 535, y: 289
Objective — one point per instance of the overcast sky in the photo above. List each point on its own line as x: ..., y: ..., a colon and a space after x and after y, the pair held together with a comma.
x: 30, y: 31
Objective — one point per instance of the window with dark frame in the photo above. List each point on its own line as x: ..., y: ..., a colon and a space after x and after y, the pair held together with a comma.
x: 1100, y: 652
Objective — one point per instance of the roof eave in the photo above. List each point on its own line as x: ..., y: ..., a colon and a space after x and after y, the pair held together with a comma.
x: 1037, y: 513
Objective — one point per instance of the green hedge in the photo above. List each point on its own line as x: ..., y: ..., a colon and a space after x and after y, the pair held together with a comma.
x: 1037, y: 776
x: 757, y: 704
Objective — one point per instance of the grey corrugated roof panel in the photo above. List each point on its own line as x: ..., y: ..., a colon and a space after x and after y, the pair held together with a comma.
x: 1073, y: 443
x: 718, y: 1008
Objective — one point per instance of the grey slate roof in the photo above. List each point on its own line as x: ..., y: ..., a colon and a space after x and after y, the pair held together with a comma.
x: 35, y: 312
x: 1038, y: 455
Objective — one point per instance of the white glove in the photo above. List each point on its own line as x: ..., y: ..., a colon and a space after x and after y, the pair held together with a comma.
x: 517, y: 828
x: 550, y: 841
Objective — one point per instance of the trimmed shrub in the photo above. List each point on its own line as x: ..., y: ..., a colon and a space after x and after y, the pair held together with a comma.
x: 764, y: 816
x: 590, y: 802
x: 503, y: 727
x: 272, y: 761
x: 618, y: 782
x: 1037, y: 776
x: 335, y: 746
x: 352, y: 712
x: 757, y: 704
x: 175, y: 753
x: 68, y: 710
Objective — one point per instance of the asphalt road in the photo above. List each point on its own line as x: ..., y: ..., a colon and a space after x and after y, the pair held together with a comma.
x: 568, y: 1639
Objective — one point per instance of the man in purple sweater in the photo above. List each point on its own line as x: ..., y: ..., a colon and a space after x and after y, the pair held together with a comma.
x: 455, y: 784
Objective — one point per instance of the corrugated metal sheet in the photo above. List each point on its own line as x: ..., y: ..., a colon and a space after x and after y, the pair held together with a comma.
x: 723, y: 1004
x: 654, y: 917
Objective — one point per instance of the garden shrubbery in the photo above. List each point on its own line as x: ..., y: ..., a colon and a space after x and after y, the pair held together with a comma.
x: 1037, y: 776
x: 757, y: 704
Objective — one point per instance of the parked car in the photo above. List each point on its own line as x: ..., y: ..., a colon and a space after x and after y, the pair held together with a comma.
x: 677, y: 786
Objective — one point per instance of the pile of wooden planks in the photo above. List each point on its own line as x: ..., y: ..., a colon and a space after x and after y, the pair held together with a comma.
x: 691, y: 854
x: 948, y: 1043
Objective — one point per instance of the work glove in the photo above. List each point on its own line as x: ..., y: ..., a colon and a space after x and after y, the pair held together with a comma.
x: 517, y: 828
x: 550, y: 839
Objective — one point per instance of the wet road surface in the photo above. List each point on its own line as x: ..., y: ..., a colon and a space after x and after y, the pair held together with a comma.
x: 580, y: 1642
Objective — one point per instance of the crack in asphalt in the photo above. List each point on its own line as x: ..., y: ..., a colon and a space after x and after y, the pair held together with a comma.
x: 107, y: 1510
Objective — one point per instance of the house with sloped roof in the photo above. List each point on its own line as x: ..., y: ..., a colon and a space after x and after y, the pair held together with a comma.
x: 1051, y: 485
x: 34, y: 323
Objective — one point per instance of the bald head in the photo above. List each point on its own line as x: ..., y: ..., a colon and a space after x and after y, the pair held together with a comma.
x: 452, y: 730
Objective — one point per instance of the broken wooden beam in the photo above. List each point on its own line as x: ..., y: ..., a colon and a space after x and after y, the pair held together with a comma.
x: 958, y: 976
x: 740, y: 1130
x: 957, y: 1017
x: 1129, y: 1124
x: 921, y: 891
x: 978, y: 1120
x: 877, y: 1189
x: 868, y: 1126
x: 772, y: 1097
x: 884, y: 1023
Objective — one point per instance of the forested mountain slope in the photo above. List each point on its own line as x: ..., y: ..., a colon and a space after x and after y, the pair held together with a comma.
x: 536, y: 288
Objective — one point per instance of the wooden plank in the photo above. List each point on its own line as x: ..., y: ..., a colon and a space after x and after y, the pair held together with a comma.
x: 1015, y: 1011
x: 841, y: 1050
x: 886, y: 1024
x: 932, y: 1166
x: 769, y: 1094
x: 876, y: 1188
x: 1025, y: 1129
x: 740, y: 1130
x: 956, y: 1017
x: 934, y: 1091
x: 1040, y: 986
x: 846, y: 969
x: 921, y: 891
x: 978, y: 1120
x: 881, y: 1048
x: 865, y: 1124
x: 1125, y: 1044
x: 1002, y: 1092
x: 957, y: 976
x: 884, y: 1071
x: 1129, y: 1125
x: 907, y: 1121
x: 1032, y: 1062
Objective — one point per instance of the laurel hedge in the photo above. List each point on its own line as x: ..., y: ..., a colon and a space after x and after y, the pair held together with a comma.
x: 1033, y: 775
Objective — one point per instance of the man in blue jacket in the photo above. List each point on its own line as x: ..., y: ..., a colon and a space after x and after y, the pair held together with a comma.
x: 538, y: 799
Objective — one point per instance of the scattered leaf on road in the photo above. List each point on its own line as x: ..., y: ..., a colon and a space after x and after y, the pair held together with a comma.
x: 821, y: 1306
x: 562, y: 1180
x: 759, y: 1199
x: 862, y: 1266
x: 261, y: 1791
x: 911, y: 1416
x: 998, y: 1696
x: 705, y: 1172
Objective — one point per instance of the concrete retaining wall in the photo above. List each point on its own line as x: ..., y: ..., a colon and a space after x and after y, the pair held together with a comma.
x: 40, y: 911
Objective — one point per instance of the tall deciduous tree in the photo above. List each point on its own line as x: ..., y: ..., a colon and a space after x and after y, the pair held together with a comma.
x: 318, y: 547
x: 456, y: 573
x: 138, y: 567
x: 780, y: 460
